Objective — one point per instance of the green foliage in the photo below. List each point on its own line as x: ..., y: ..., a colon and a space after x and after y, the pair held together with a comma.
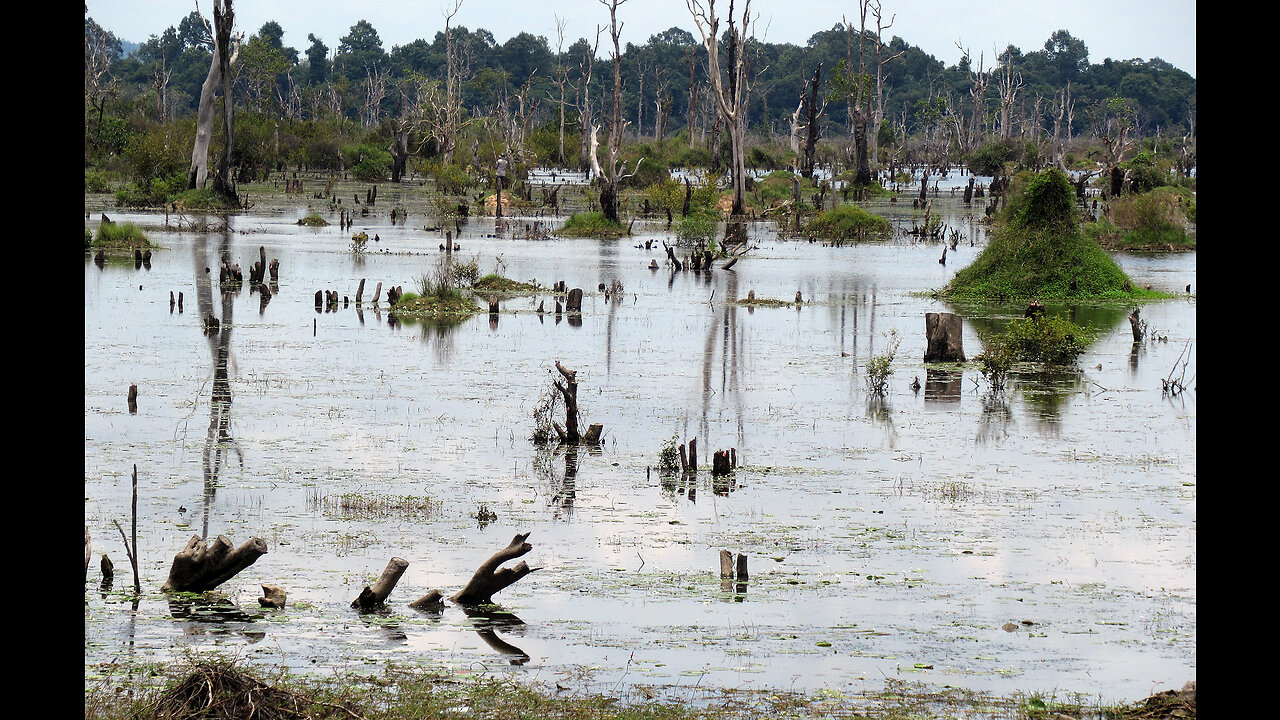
x: 706, y: 195
x: 96, y: 182
x: 847, y: 222
x: 666, y: 195
x: 121, y: 236
x: 463, y: 273
x: 1048, y: 202
x: 776, y: 187
x: 1144, y: 174
x: 452, y: 179
x: 669, y: 455
x: 313, y: 220
x: 369, y: 163
x: 88, y: 238
x: 698, y: 228
x: 199, y: 199
x: 989, y: 159
x: 1153, y: 220
x: 649, y: 172
x: 359, y: 241
x: 591, y: 224
x: 994, y: 363
x: 880, y: 367
x: 153, y: 193
x: 1039, y: 252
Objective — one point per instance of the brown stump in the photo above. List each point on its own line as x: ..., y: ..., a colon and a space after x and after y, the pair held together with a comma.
x: 489, y: 578
x: 371, y: 597
x: 133, y: 399
x: 431, y: 601
x: 573, y: 303
x: 273, y: 596
x: 569, y: 391
x: 742, y: 567
x: 945, y: 338
x: 201, y: 567
x: 377, y: 293
x: 1135, y: 324
x: 693, y: 455
x: 360, y: 292
x: 726, y: 564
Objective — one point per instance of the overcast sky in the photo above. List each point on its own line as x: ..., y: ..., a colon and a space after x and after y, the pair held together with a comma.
x: 1119, y: 29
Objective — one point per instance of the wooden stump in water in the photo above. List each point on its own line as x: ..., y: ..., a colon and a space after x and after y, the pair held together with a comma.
x: 360, y: 292
x: 594, y: 431
x: 573, y: 303
x: 726, y: 564
x: 273, y: 596
x: 569, y: 392
x: 1135, y: 324
x: 200, y: 567
x: 133, y: 399
x: 431, y: 601
x: 693, y: 455
x: 375, y: 595
x: 490, y: 578
x: 944, y: 334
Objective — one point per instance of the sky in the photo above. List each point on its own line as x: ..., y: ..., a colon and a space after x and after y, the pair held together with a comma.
x: 1119, y: 29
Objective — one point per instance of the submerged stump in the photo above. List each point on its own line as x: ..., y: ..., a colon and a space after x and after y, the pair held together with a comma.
x: 490, y: 578
x: 945, y: 340
x: 200, y: 567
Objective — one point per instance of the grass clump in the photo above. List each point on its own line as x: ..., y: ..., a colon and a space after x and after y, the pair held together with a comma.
x: 847, y: 222
x: 121, y: 236
x: 313, y: 220
x: 592, y: 224
x: 1039, y: 251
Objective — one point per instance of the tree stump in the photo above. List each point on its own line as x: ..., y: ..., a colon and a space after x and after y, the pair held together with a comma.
x: 573, y: 303
x: 594, y: 431
x: 273, y: 596
x: 133, y: 399
x: 201, y: 567
x: 490, y: 579
x: 372, y: 597
x: 431, y: 601
x: 360, y: 292
x: 945, y: 339
x: 569, y: 391
x: 726, y: 564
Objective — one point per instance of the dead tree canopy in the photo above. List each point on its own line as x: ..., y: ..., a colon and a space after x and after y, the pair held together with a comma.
x: 200, y: 567
x: 490, y: 578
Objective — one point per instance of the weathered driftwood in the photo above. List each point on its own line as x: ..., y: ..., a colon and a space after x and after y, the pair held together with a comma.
x: 945, y: 338
x: 489, y: 578
x: 200, y: 567
x: 1135, y: 324
x: 374, y: 596
x: 273, y: 596
x: 693, y: 455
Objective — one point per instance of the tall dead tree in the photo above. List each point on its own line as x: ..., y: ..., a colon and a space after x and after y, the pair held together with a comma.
x: 613, y: 172
x: 1008, y: 83
x: 729, y: 86
x: 815, y: 107
x: 225, y: 50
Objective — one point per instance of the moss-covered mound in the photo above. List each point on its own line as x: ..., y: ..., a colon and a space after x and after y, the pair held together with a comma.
x: 440, y: 305
x: 121, y: 236
x: 1038, y: 251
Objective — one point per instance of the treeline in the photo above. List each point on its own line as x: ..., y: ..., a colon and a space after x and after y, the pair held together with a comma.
x: 358, y: 104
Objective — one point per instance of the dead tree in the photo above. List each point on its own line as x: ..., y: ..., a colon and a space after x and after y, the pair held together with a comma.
x: 490, y: 578
x: 219, y: 77
x: 569, y: 391
x: 200, y: 567
x: 731, y: 101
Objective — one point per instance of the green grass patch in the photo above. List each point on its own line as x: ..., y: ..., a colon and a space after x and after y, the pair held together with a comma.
x: 313, y: 220
x: 1154, y: 221
x: 591, y: 224
x: 847, y: 222
x: 121, y: 236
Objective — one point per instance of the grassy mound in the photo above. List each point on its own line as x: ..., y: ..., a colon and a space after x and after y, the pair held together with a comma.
x: 847, y: 222
x: 492, y: 283
x: 121, y: 236
x: 1039, y: 251
x: 591, y: 224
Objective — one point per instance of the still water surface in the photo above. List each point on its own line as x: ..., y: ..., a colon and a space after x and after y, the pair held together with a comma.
x: 882, y: 536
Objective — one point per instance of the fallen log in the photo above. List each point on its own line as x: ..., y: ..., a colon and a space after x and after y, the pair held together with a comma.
x: 490, y: 579
x: 200, y: 567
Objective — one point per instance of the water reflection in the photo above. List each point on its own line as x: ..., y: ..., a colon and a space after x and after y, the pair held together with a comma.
x: 942, y: 385
x: 993, y: 424
x: 487, y: 620
x: 218, y: 440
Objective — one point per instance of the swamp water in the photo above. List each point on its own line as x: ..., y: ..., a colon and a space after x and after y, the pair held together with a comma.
x: 1042, y: 539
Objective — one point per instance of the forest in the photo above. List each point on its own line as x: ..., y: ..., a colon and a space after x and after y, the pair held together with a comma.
x: 463, y: 98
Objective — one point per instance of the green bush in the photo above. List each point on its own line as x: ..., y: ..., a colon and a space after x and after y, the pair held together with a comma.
x: 880, y: 367
x: 669, y: 455
x: 991, y: 157
x: 451, y: 179
x: 847, y: 222
x: 698, y: 228
x: 776, y: 187
x: 368, y: 163
x: 152, y: 193
x: 96, y: 182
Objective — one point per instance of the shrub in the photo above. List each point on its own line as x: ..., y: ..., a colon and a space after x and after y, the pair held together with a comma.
x: 698, y: 228
x: 369, y: 163
x: 777, y: 187
x: 669, y: 455
x: 847, y: 222
x: 880, y: 367
x: 451, y: 179
x: 96, y: 182
x: 991, y: 157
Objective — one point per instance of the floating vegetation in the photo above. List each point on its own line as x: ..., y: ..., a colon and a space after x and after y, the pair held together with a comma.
x: 357, y: 505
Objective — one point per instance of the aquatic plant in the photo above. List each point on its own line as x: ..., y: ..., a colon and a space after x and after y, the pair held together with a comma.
x: 880, y: 367
x: 847, y: 222
x: 591, y: 224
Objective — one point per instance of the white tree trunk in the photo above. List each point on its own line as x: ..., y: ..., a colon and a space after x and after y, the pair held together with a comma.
x: 198, y: 175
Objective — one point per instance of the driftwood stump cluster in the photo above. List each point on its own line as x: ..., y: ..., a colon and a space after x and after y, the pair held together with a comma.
x: 489, y: 579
